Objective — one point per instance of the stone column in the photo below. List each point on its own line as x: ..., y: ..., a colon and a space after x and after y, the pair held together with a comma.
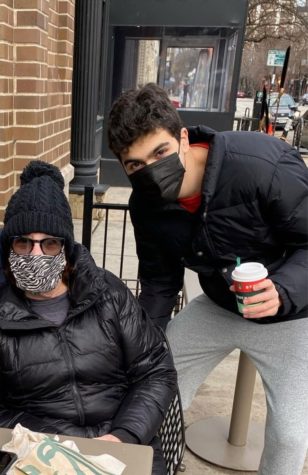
x: 87, y: 52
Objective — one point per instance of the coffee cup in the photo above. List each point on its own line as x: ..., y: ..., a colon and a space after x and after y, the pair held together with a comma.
x: 244, y: 277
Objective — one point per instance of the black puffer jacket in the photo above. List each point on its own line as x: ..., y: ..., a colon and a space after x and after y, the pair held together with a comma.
x: 105, y: 369
x: 254, y: 205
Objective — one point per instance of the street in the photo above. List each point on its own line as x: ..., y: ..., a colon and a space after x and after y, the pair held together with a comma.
x: 245, y: 107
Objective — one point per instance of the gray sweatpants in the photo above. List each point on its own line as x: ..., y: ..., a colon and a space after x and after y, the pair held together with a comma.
x: 203, y: 334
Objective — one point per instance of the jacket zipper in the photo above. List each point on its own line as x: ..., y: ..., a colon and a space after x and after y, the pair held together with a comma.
x: 209, y: 240
x: 70, y: 363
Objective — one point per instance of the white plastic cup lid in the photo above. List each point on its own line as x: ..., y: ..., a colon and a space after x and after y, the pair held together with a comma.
x: 249, y: 271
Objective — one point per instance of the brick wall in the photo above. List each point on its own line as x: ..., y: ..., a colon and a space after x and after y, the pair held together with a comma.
x: 36, y: 59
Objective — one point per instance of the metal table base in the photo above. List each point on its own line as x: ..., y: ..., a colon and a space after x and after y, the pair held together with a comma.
x: 231, y: 442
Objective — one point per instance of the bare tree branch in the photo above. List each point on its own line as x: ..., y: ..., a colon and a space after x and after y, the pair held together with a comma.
x: 277, y: 19
x: 275, y: 24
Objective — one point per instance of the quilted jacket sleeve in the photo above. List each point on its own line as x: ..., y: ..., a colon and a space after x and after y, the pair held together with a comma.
x: 150, y: 371
x: 161, y: 278
x: 288, y: 209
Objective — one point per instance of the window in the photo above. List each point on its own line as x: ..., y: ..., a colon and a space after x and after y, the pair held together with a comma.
x: 193, y: 64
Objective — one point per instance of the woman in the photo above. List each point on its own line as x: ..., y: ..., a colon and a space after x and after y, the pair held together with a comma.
x: 78, y: 356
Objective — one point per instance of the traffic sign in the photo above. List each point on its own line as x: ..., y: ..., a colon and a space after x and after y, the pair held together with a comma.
x: 275, y: 57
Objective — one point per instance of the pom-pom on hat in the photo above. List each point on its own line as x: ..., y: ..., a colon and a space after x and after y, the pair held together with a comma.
x: 39, y: 205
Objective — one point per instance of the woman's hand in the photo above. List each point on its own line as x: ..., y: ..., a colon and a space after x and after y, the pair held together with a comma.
x: 268, y: 301
x: 109, y: 438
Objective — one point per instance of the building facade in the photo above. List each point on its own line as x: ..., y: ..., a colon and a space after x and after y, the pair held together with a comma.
x: 36, y: 64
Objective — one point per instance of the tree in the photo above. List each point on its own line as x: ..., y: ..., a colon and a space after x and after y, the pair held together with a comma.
x: 277, y: 19
x: 275, y: 24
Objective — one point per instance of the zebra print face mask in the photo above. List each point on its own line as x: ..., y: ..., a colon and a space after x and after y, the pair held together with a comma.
x: 37, y: 274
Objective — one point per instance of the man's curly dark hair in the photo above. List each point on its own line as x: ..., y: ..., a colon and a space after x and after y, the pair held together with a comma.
x: 137, y: 113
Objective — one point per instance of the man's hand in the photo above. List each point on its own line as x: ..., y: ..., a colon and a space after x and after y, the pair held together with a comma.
x: 269, y: 297
x: 109, y: 438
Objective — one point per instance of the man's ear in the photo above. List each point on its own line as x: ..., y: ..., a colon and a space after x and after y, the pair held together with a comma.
x: 184, y: 140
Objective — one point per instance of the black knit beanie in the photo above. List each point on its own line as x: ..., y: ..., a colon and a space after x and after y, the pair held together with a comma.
x: 39, y: 205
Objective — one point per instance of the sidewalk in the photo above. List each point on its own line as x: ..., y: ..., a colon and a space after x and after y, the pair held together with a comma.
x: 215, y: 396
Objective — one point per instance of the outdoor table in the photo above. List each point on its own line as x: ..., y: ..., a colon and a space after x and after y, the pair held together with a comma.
x: 230, y: 442
x: 137, y: 458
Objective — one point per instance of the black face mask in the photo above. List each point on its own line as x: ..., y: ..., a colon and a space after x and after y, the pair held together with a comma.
x: 160, y: 180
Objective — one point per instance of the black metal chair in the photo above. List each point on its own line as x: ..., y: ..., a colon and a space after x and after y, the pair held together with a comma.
x: 121, y: 259
x: 172, y: 435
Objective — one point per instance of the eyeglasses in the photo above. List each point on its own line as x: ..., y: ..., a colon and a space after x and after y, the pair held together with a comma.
x: 50, y: 246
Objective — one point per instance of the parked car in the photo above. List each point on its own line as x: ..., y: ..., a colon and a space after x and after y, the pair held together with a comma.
x: 285, y: 106
x: 176, y: 102
x: 241, y: 94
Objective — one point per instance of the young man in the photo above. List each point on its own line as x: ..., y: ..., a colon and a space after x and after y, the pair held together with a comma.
x: 201, y: 199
